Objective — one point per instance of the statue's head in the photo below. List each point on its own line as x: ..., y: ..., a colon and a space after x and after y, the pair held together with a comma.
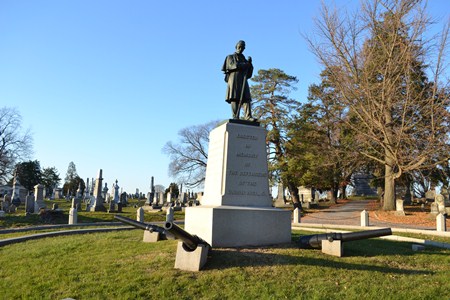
x: 240, y: 46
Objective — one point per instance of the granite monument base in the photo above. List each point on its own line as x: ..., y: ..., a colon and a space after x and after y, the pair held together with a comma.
x: 237, y: 226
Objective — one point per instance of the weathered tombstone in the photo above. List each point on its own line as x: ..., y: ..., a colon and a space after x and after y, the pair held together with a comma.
x: 316, y: 196
x: 39, y: 197
x: 58, y: 193
x: 79, y: 195
x: 305, y: 194
x: 280, y: 201
x: 15, y: 198
x: 161, y: 198
x: 183, y: 198
x: 440, y: 223
x: 364, y: 218
x: 7, y: 198
x: 399, y: 211
x: 169, y: 197
x: 112, y: 206
x: 87, y: 190
x: 429, y: 195
x: 329, y: 195
x: 434, y: 209
x: 439, y: 200
x: 124, y: 199
x: 105, y: 192
x: 297, y: 216
x: 151, y: 194
x: 29, y: 204
x: 140, y: 215
x: 73, y: 216
x: 12, y: 208
x: 116, y: 187
x: 5, y: 206
x: 98, y: 205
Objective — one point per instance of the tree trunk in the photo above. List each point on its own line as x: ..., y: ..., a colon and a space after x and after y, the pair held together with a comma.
x: 343, y: 194
x: 334, y: 192
x: 293, y: 190
x: 389, y: 188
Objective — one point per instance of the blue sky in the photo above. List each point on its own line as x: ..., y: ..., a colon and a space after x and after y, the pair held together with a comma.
x: 106, y: 83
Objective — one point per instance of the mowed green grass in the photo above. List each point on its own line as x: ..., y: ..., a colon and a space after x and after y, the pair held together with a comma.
x: 118, y: 265
x: 19, y: 219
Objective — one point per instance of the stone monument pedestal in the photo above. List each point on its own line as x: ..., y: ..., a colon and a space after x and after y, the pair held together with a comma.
x: 237, y: 207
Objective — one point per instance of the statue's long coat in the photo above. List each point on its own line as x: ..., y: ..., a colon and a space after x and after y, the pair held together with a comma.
x: 236, y: 67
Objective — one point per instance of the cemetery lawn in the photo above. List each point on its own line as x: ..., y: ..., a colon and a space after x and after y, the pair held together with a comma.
x: 19, y: 219
x: 118, y: 265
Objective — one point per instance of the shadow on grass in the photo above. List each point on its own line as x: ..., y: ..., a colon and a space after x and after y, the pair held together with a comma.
x: 225, y: 258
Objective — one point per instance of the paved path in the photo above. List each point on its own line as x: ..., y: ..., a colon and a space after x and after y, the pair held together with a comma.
x: 350, y: 214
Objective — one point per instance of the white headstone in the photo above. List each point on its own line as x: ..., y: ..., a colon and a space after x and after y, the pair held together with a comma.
x: 364, y: 218
x: 440, y: 223
x: 39, y: 197
x: 98, y: 205
x: 297, y: 216
x: 399, y: 211
x: 73, y: 216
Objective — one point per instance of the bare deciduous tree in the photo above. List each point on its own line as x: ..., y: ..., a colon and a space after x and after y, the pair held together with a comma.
x: 15, y: 145
x: 189, y: 156
x: 381, y: 62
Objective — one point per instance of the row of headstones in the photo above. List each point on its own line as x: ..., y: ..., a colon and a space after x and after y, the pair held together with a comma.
x: 158, y: 199
x: 140, y: 213
x: 439, y: 206
x: 33, y: 202
x: 440, y: 219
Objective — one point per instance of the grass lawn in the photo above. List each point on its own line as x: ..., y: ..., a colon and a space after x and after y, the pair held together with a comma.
x: 118, y: 265
x: 19, y: 219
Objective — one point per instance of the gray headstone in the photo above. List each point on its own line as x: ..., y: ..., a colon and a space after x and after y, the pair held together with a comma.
x: 29, y: 204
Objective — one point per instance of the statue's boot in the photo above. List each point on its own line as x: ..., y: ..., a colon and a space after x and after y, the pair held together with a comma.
x: 248, y: 112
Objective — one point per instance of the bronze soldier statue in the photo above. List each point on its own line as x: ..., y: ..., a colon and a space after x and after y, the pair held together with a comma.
x: 237, y: 71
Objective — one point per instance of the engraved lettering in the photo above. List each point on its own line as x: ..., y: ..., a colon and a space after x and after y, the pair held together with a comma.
x: 247, y: 136
x: 249, y: 155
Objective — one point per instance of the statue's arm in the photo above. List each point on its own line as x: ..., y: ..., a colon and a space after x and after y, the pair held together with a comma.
x: 250, y: 70
x: 230, y: 64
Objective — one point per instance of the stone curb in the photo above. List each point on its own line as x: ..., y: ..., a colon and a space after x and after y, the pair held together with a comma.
x: 322, y: 228
x: 404, y: 230
x: 20, y: 239
x: 44, y: 227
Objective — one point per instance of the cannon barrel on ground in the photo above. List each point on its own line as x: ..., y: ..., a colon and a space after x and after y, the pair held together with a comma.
x: 190, y: 242
x: 315, y: 241
x: 140, y: 225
